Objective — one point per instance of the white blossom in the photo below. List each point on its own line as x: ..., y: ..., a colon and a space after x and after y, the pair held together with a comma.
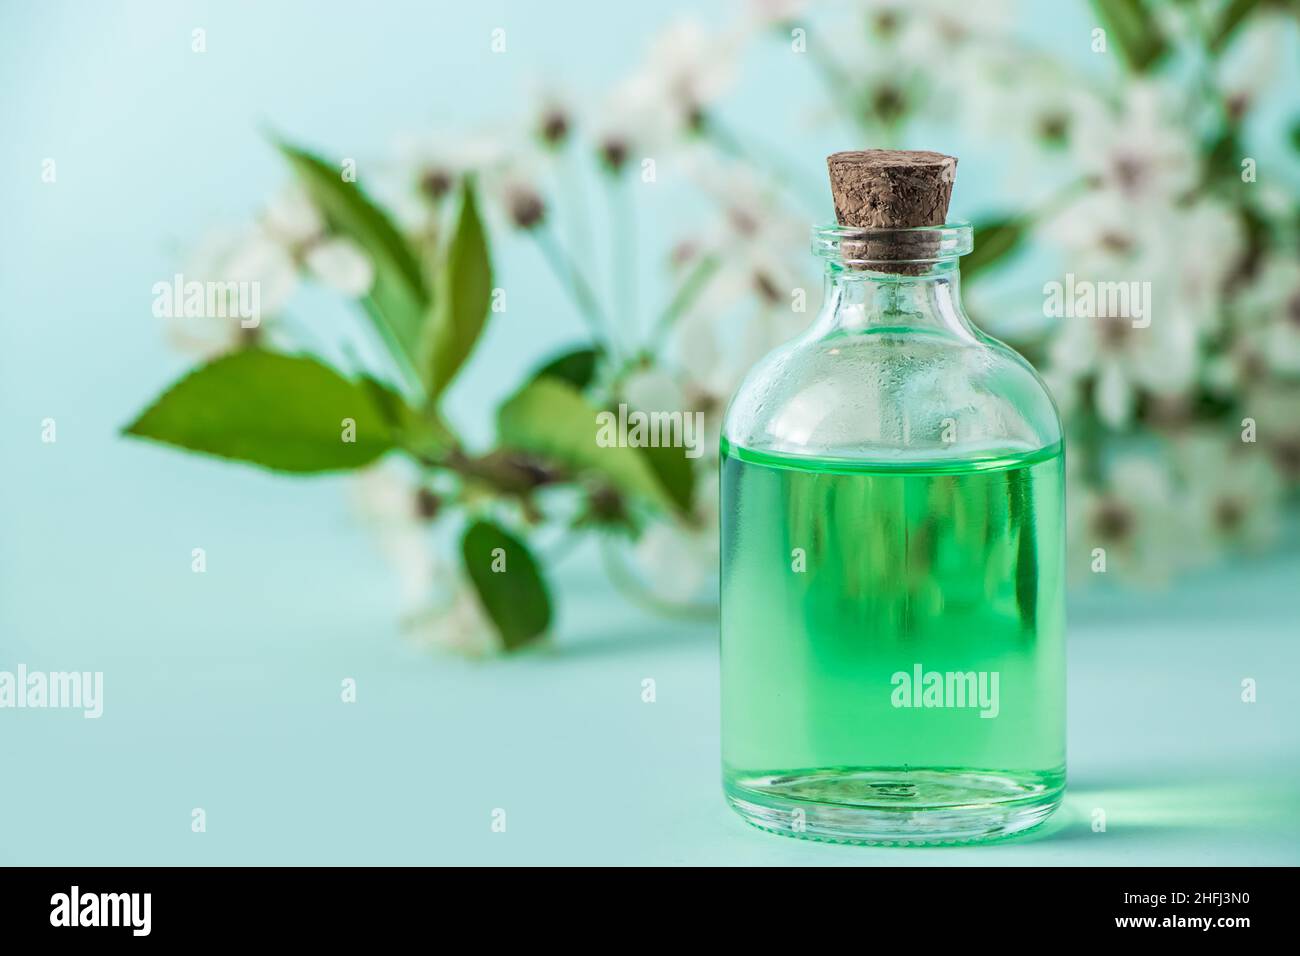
x: 456, y: 621
x: 1136, y: 147
x: 1134, y: 519
x: 439, y: 606
x: 426, y: 169
x: 685, y: 70
x: 1251, y: 64
x: 1233, y: 494
x: 680, y: 558
x: 287, y: 242
x: 1124, y: 358
x: 1268, y: 312
x: 398, y: 508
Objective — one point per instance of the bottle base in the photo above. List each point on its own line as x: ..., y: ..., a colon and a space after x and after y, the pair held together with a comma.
x: 895, y: 807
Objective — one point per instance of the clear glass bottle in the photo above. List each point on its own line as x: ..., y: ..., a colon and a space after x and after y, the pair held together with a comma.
x: 893, y: 632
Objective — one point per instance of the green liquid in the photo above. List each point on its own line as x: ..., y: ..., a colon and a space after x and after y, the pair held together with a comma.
x: 840, y: 577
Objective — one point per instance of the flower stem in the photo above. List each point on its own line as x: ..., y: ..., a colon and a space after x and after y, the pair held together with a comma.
x: 578, y: 288
x: 776, y: 167
x: 561, y: 548
x: 622, y: 228
x: 686, y: 293
x: 571, y: 185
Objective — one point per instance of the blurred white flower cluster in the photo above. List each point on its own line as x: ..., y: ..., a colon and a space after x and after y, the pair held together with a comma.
x: 1184, y: 436
x: 285, y: 244
x: 1182, y: 419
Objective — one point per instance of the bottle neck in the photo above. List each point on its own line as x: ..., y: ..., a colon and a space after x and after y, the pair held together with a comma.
x: 861, y: 300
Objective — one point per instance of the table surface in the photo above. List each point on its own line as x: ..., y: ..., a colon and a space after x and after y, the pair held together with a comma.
x: 222, y: 691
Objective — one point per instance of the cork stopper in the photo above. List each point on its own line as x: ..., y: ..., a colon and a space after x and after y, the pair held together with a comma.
x: 891, y: 189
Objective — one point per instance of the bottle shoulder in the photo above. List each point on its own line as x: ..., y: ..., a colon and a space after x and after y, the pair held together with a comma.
x: 892, y: 394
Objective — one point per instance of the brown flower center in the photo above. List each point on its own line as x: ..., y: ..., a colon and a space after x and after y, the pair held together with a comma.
x: 885, y: 22
x: 434, y: 183
x: 1113, y: 521
x: 526, y: 208
x: 1113, y: 331
x: 555, y: 127
x: 427, y: 504
x: 1229, y: 513
x: 613, y: 152
x: 1116, y: 242
x: 888, y: 103
x: 767, y: 288
x: 1131, y: 172
x: 1293, y: 309
x: 1286, y: 454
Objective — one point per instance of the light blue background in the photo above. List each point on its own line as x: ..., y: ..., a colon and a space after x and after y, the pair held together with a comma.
x: 222, y: 690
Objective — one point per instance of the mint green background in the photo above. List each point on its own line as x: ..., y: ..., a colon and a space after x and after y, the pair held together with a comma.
x: 222, y: 690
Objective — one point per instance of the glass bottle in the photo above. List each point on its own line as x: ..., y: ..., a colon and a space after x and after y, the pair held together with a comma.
x: 892, y: 510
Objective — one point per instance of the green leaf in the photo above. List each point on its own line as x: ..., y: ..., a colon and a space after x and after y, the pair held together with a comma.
x: 576, y: 367
x: 464, y: 295
x: 426, y: 435
x: 1134, y: 32
x: 675, y: 473
x: 283, y: 412
x: 398, y: 299
x: 1231, y: 18
x: 508, y: 582
x: 1260, y: 240
x: 551, y: 418
x: 995, y: 240
x: 1222, y: 157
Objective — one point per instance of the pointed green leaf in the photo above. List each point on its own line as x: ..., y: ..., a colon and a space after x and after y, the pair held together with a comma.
x: 675, y: 473
x: 995, y: 240
x: 398, y: 299
x: 551, y: 418
x: 1229, y: 20
x: 509, y: 584
x: 464, y: 295
x: 283, y: 412
x: 576, y: 367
